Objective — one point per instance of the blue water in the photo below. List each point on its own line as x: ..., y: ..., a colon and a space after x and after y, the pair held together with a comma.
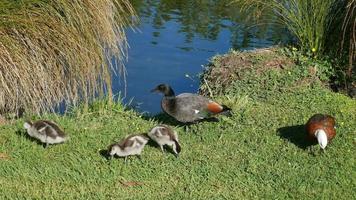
x: 173, y: 51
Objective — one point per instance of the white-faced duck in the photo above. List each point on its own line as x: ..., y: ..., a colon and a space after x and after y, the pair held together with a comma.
x: 321, y: 127
x: 164, y: 135
x: 188, y: 107
x: 45, y: 131
x: 131, y: 145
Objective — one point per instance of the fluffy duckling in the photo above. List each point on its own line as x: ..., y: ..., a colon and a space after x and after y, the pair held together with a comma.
x: 45, y: 131
x: 164, y: 135
x: 321, y: 127
x: 188, y: 107
x: 131, y: 145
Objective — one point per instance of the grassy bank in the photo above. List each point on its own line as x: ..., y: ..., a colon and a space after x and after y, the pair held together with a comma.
x: 256, y: 153
x: 321, y: 28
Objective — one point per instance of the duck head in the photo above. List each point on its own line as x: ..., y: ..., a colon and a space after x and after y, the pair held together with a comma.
x: 27, y: 124
x: 112, y: 150
x: 165, y: 89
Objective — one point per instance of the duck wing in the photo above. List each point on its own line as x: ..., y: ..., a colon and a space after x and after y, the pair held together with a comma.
x: 55, y: 129
x: 189, y: 107
x: 168, y: 132
x: 125, y: 143
x: 41, y: 127
x: 48, y: 128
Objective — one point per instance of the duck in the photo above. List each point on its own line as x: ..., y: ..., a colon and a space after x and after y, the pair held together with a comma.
x: 165, y: 135
x: 47, y: 132
x: 130, y: 145
x: 188, y: 107
x: 321, y: 128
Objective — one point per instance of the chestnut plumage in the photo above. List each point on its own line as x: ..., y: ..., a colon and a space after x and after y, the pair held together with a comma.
x: 321, y: 127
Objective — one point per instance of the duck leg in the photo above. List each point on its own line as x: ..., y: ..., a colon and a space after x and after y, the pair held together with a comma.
x: 45, y: 145
x: 162, y: 149
x: 323, y: 151
x: 174, y: 148
x: 125, y: 159
x: 139, y: 157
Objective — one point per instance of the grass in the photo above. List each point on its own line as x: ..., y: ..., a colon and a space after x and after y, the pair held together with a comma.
x: 321, y: 28
x: 59, y: 51
x: 308, y: 21
x: 259, y: 152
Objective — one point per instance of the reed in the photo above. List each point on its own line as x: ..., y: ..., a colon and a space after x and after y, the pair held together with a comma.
x: 60, y: 51
x: 308, y: 21
x: 348, y: 40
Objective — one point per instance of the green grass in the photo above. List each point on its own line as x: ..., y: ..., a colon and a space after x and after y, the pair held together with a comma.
x: 321, y: 28
x: 241, y: 157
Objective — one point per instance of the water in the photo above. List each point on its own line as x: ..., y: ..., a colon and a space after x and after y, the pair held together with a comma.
x: 176, y: 38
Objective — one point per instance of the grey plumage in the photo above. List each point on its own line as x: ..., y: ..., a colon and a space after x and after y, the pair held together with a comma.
x: 47, y: 132
x: 164, y: 135
x: 188, y: 107
x: 131, y: 145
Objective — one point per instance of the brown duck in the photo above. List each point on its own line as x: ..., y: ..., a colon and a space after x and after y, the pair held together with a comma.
x: 321, y: 127
x: 188, y: 107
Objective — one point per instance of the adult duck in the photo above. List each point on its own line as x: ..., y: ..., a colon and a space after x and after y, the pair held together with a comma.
x: 321, y: 127
x: 188, y: 107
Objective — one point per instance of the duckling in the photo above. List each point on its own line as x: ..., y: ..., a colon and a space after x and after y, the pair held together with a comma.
x: 188, y: 107
x: 164, y: 135
x: 321, y: 127
x: 131, y: 145
x: 45, y: 131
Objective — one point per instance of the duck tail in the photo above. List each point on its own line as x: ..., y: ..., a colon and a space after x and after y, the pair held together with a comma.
x: 178, y: 147
x: 226, y: 111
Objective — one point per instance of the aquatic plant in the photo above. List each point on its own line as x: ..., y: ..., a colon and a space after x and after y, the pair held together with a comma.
x: 60, y: 51
x: 321, y: 27
x: 349, y: 37
x: 308, y: 21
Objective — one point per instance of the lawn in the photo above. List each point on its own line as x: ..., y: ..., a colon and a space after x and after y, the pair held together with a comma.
x: 258, y: 152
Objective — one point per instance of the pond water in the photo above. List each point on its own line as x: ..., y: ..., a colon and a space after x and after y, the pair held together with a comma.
x: 176, y: 38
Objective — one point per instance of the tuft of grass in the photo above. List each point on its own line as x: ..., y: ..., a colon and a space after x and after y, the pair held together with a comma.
x: 321, y: 28
x: 60, y: 51
x: 349, y: 37
x: 258, y: 152
x: 308, y: 21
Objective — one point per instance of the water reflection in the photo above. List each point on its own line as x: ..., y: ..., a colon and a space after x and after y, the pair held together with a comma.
x: 177, y: 37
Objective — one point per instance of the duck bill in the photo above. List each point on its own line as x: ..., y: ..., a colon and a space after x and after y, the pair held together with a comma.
x: 154, y: 90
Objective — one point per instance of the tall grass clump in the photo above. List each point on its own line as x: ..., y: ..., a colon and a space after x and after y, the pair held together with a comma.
x: 307, y: 20
x: 59, y: 51
x: 348, y: 40
x: 323, y: 29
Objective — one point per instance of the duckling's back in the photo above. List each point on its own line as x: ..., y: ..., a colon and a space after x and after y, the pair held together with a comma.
x: 52, y: 129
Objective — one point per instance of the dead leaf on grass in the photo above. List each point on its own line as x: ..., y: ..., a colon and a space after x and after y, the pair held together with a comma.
x: 4, y: 156
x: 131, y: 183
